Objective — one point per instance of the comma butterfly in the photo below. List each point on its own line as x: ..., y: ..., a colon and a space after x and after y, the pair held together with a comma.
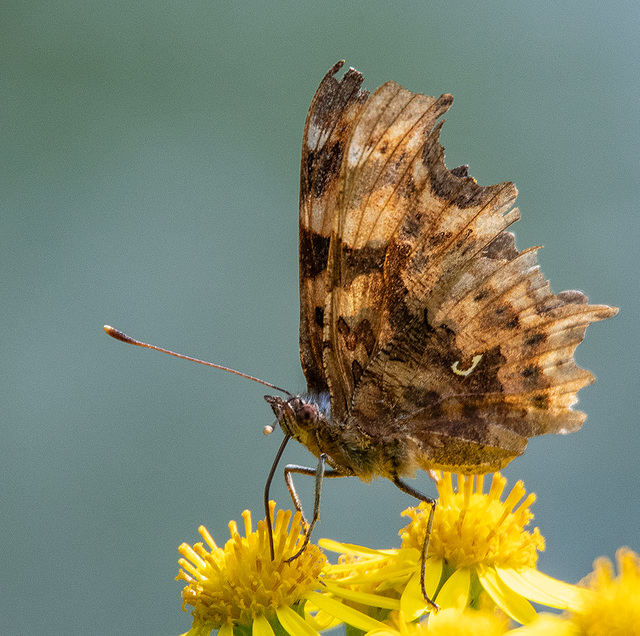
x: 428, y: 341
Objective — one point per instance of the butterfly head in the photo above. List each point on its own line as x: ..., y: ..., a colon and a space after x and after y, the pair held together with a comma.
x: 297, y: 417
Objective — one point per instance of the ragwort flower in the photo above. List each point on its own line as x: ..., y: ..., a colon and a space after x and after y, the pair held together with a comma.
x: 240, y: 586
x: 483, y: 547
x: 613, y: 607
x: 239, y: 589
x: 447, y: 622
x: 480, y: 556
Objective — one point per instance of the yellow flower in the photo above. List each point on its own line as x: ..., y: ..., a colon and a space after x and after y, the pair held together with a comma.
x: 471, y: 528
x: 448, y: 622
x: 240, y: 588
x: 456, y: 622
x: 479, y: 547
x: 547, y: 625
x: 239, y: 585
x: 613, y: 607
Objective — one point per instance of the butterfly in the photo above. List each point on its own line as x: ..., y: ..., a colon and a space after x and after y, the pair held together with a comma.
x: 427, y: 340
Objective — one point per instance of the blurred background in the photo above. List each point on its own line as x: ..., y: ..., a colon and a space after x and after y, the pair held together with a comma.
x: 150, y: 158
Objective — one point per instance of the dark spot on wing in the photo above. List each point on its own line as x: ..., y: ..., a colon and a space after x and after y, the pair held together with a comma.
x: 356, y: 262
x: 460, y: 171
x: 540, y: 401
x: 535, y: 339
x: 411, y: 225
x: 356, y: 370
x: 314, y: 253
x: 347, y: 334
x: 323, y: 167
x: 513, y: 323
x: 398, y: 256
x: 364, y: 335
x: 439, y: 238
x: 415, y: 398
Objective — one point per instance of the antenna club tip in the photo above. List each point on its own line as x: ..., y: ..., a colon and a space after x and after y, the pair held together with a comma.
x: 117, y: 334
x: 268, y: 429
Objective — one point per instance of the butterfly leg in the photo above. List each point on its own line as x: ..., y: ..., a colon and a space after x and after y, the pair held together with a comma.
x: 425, y: 546
x: 320, y: 473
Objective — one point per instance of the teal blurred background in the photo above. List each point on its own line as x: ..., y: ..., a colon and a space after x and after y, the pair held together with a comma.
x: 150, y: 157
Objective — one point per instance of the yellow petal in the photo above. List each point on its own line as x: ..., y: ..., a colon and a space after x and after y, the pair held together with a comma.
x: 374, y: 600
x: 455, y: 591
x: 383, y: 573
x: 342, y: 548
x: 413, y: 603
x: 261, y: 627
x: 294, y: 623
x: 319, y: 619
x: 343, y: 612
x: 514, y: 605
x: 543, y: 589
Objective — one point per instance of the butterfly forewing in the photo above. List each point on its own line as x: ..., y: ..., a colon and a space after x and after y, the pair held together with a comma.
x: 327, y: 130
x: 376, y: 180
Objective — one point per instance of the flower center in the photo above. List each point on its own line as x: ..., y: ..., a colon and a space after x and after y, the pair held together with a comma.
x: 472, y: 528
x: 236, y: 584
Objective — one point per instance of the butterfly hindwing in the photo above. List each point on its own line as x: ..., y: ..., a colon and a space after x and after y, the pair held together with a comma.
x: 489, y: 365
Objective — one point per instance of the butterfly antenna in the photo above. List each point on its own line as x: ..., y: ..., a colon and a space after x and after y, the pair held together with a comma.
x: 119, y: 335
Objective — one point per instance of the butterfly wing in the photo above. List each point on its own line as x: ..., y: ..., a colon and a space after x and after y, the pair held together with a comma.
x: 487, y: 365
x: 418, y: 313
x: 402, y: 221
x: 327, y: 130
x: 437, y: 331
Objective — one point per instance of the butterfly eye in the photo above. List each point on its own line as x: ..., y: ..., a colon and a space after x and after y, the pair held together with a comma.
x: 307, y: 413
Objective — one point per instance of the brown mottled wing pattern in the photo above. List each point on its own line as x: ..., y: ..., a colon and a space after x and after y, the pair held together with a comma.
x: 488, y: 365
x: 327, y: 130
x: 403, y: 221
x: 436, y: 330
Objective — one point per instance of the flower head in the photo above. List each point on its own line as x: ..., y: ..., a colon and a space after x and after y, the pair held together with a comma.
x: 471, y: 528
x: 447, y: 622
x: 466, y: 622
x: 240, y: 584
x: 612, y: 607
x: 480, y: 556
